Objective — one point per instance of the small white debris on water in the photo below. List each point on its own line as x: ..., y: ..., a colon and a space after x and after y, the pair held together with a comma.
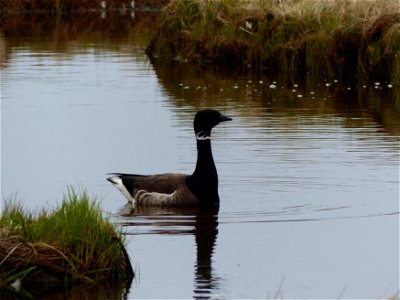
x: 294, y: 91
x: 312, y: 93
x: 390, y: 86
x: 335, y: 80
x: 261, y: 82
x: 272, y: 86
x: 377, y: 83
x: 295, y: 85
x: 349, y: 88
x: 235, y: 86
x: 299, y: 96
x: 327, y: 84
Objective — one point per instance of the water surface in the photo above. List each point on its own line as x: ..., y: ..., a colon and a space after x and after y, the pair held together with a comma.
x: 309, y: 169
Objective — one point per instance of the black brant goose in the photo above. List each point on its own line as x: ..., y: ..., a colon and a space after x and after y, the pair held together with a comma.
x: 171, y: 189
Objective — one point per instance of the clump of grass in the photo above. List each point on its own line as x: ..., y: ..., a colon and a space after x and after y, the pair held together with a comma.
x: 73, y: 243
x: 336, y: 39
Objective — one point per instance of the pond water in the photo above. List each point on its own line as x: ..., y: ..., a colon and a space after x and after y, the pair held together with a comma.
x: 309, y: 170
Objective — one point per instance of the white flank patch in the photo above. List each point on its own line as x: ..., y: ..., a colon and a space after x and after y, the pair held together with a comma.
x: 117, y: 182
x: 156, y: 199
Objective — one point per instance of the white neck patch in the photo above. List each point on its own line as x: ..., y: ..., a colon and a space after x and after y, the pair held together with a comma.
x: 202, y: 136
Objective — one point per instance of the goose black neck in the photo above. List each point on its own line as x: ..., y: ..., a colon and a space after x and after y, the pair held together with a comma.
x: 205, y: 162
x: 204, y: 180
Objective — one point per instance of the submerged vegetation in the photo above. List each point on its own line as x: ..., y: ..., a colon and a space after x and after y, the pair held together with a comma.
x: 74, y: 243
x: 343, y: 39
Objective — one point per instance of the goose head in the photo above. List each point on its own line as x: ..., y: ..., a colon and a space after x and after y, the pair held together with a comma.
x: 205, y: 120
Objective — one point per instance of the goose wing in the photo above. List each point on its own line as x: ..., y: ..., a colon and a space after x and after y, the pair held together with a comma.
x: 167, y: 189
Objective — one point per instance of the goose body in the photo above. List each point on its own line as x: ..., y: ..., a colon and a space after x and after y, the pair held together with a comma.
x: 174, y: 189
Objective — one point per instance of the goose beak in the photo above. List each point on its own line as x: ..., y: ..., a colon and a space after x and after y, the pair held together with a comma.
x: 225, y: 118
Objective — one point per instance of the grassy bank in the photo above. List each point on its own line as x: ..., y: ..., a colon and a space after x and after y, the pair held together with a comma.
x: 74, y: 243
x: 342, y: 39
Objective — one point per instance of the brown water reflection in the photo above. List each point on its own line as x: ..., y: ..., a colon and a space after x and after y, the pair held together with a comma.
x: 257, y: 95
x: 67, y: 36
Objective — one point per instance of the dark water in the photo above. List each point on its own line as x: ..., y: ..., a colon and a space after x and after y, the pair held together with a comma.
x: 309, y: 169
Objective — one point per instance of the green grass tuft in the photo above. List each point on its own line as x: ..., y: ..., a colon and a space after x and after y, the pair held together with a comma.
x: 75, y: 242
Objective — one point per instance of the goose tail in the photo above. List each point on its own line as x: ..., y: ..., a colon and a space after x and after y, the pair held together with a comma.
x: 116, y: 180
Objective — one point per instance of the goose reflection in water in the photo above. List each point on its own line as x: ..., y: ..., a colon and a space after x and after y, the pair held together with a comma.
x: 200, y: 222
